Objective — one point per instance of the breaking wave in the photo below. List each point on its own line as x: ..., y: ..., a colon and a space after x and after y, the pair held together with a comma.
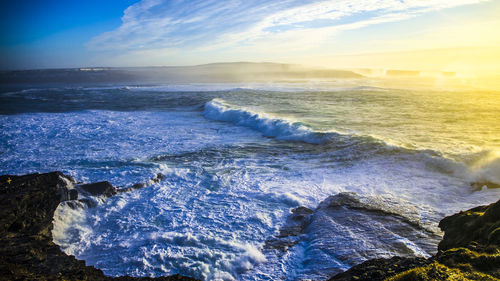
x: 269, y: 126
x: 480, y: 170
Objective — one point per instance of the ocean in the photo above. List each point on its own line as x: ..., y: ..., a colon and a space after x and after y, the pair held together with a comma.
x: 238, y: 157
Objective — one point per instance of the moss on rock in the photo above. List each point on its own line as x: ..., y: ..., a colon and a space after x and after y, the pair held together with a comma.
x: 470, y: 250
x: 437, y: 271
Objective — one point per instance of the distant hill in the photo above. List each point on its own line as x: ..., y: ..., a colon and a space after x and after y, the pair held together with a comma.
x: 215, y: 72
x: 392, y: 72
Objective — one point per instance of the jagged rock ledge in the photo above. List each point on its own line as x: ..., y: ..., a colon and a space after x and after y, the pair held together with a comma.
x: 470, y: 250
x: 345, y: 228
x: 27, y: 251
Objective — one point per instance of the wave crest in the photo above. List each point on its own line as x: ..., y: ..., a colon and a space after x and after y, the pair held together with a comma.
x: 269, y: 126
x: 485, y: 170
x: 482, y: 170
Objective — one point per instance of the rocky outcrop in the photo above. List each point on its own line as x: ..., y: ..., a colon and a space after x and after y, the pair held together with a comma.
x: 152, y: 181
x: 470, y: 250
x: 380, y: 269
x: 102, y: 188
x: 346, y: 229
x: 26, y: 248
x: 476, y: 227
x: 290, y: 232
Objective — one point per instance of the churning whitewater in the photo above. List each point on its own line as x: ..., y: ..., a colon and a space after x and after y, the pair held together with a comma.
x: 238, y: 159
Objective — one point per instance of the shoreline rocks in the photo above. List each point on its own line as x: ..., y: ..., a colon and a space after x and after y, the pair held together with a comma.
x: 469, y: 250
x: 345, y: 229
x: 102, y: 188
x: 27, y: 251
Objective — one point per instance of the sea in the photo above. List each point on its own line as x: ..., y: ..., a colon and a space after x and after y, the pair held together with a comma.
x: 237, y: 158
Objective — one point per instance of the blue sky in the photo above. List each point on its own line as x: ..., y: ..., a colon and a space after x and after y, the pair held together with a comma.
x: 52, y: 34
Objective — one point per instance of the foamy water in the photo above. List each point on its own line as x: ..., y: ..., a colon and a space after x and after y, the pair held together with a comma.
x: 238, y: 158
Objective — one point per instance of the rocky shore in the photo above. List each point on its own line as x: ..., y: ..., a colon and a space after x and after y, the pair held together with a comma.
x: 347, y: 228
x: 469, y: 250
x: 26, y: 248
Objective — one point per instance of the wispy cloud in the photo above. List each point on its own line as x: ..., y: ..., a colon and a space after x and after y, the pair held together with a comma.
x: 252, y: 25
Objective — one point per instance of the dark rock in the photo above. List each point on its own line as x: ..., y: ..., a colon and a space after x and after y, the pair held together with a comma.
x: 27, y: 202
x: 479, y: 225
x: 80, y: 203
x: 282, y: 244
x: 296, y: 222
x: 470, y: 250
x: 73, y: 204
x: 88, y: 203
x: 138, y: 185
x: 99, y: 188
x: 289, y: 232
x: 73, y: 194
x: 348, y: 229
x: 26, y: 248
x: 127, y: 189
x: 159, y: 177
x: 379, y: 269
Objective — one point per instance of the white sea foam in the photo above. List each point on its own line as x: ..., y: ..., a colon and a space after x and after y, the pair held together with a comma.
x: 481, y: 168
x: 238, y: 258
x: 70, y: 225
x: 227, y: 189
x: 269, y: 126
x: 484, y: 167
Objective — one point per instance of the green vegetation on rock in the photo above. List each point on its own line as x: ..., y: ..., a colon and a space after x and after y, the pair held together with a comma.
x: 437, y: 271
x: 470, y: 250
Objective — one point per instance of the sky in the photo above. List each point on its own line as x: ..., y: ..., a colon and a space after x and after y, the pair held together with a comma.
x: 424, y: 34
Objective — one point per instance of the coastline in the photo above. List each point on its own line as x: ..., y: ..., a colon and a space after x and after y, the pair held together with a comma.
x: 27, y: 251
x: 469, y: 250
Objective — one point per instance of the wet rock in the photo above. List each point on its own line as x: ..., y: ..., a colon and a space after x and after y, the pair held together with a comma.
x: 73, y: 204
x: 296, y: 222
x: 290, y: 231
x: 480, y: 225
x: 282, y: 244
x: 124, y: 190
x: 73, y: 194
x: 99, y: 188
x: 80, y: 204
x: 159, y: 177
x: 346, y: 229
x: 138, y: 185
x: 379, y: 269
x: 470, y: 250
x: 88, y: 203
x: 27, y: 201
x: 26, y: 248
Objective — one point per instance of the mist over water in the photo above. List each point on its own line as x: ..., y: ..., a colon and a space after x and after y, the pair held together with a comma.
x: 239, y: 156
